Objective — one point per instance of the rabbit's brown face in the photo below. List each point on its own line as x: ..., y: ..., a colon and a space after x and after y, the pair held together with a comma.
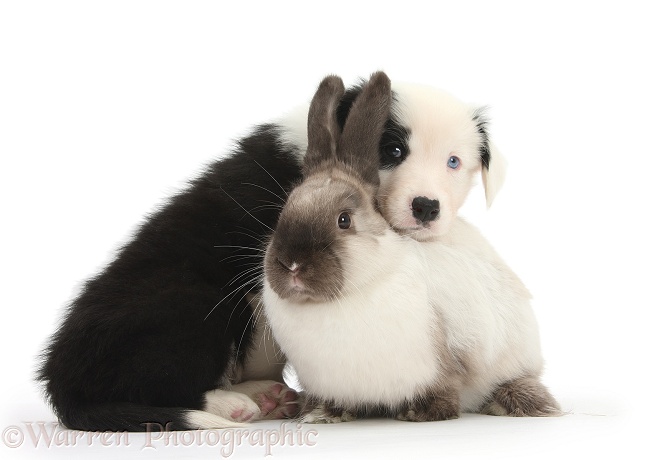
x: 307, y: 259
x: 314, y: 255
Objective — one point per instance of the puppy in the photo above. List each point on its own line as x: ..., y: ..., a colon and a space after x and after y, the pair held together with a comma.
x: 170, y: 333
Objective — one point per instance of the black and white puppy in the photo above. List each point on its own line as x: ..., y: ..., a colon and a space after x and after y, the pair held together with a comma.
x: 170, y: 332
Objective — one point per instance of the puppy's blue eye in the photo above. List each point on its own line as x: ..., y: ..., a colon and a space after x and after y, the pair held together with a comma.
x: 454, y: 162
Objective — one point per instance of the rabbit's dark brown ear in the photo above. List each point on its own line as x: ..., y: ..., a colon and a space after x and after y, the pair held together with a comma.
x: 323, y: 130
x: 360, y: 140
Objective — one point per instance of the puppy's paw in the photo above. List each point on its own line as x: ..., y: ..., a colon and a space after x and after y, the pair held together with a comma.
x: 275, y: 400
x: 231, y: 405
x: 323, y: 414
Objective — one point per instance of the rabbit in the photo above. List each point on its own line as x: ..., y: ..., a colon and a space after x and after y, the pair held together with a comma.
x: 169, y: 330
x: 375, y: 322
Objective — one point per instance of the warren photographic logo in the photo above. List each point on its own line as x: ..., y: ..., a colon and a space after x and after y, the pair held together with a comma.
x: 51, y: 435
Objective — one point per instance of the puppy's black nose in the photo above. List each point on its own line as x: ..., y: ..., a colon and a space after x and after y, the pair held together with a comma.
x: 424, y: 209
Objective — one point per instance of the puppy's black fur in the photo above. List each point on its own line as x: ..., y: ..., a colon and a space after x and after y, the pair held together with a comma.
x: 143, y: 341
x: 165, y: 320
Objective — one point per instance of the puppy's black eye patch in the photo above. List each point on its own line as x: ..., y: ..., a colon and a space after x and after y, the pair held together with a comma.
x: 393, y: 145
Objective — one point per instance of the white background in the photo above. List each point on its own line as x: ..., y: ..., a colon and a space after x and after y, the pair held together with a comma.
x: 106, y: 108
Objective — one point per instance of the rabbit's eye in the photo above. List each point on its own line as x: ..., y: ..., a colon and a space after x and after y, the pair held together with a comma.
x: 453, y: 162
x: 344, y: 220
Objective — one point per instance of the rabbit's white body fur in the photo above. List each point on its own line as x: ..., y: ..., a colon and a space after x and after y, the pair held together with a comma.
x: 379, y: 344
x: 348, y: 350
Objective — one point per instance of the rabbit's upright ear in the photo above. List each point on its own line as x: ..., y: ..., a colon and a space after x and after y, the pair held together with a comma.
x: 323, y: 130
x: 363, y: 129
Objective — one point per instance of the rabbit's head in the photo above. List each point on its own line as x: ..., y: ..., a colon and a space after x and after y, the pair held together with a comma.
x: 327, y: 232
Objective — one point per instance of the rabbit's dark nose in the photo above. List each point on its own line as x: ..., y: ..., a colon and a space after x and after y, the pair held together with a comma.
x: 424, y: 209
x: 293, y: 268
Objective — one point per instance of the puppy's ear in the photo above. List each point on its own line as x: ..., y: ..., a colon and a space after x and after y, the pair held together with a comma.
x: 494, y: 164
x: 323, y: 130
x: 493, y: 173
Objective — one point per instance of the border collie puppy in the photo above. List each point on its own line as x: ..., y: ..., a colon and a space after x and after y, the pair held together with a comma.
x: 170, y: 331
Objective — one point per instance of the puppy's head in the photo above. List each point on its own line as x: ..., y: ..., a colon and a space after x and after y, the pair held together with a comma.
x: 432, y: 150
